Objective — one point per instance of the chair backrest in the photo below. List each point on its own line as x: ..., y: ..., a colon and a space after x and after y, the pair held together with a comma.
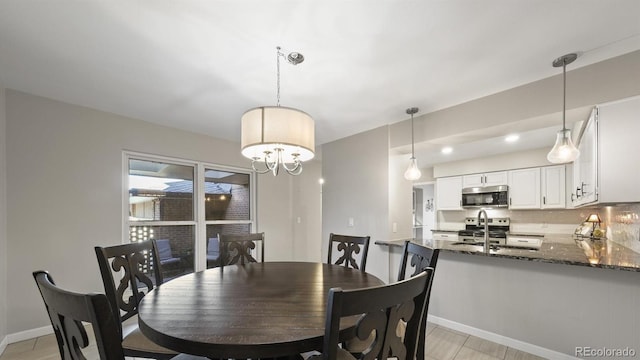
x: 67, y: 310
x: 349, y: 246
x: 164, y: 249
x: 236, y: 249
x: 417, y: 257
x: 382, y: 308
x: 134, y: 265
x: 213, y: 247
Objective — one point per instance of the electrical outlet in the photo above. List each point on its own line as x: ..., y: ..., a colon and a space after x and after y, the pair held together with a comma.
x: 394, y: 227
x: 350, y: 223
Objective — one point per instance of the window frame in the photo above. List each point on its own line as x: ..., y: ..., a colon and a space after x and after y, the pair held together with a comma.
x: 200, y: 223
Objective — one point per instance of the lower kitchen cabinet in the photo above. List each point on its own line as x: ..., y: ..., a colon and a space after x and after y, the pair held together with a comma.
x: 444, y: 236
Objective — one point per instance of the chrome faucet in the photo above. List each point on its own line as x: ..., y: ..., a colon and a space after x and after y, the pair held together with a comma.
x: 486, y: 229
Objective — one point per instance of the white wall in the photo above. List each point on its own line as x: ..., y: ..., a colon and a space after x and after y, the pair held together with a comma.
x: 355, y: 170
x: 307, y: 207
x: 3, y: 222
x: 400, y: 199
x: 516, y: 160
x: 64, y: 191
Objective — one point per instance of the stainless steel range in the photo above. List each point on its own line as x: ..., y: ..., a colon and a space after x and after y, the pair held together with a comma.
x: 474, y: 232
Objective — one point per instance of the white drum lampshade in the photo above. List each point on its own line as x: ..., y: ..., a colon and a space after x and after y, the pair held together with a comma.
x: 266, y: 129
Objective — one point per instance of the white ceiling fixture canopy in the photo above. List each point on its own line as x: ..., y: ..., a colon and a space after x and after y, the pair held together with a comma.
x: 278, y: 136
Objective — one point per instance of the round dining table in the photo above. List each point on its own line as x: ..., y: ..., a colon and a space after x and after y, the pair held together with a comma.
x: 255, y: 310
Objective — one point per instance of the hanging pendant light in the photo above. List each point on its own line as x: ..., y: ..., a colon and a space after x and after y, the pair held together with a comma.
x: 278, y: 136
x: 564, y: 150
x: 413, y: 172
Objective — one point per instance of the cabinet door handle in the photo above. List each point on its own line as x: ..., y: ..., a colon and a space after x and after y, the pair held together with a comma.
x: 544, y: 200
x: 510, y: 201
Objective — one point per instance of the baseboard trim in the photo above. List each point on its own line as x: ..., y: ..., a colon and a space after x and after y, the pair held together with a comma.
x: 3, y: 345
x: 29, y: 334
x: 500, y: 339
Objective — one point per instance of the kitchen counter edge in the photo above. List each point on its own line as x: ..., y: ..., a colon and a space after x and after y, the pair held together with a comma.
x: 556, y: 249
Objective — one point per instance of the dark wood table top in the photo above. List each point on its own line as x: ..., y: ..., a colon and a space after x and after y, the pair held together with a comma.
x: 257, y: 310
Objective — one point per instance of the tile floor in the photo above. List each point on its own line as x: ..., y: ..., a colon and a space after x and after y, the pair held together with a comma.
x: 442, y: 344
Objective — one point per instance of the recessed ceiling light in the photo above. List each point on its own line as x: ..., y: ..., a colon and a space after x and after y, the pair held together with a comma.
x: 512, y: 138
x: 447, y: 150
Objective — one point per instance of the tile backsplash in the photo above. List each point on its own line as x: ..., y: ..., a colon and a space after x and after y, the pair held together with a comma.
x: 623, y: 224
x: 622, y: 221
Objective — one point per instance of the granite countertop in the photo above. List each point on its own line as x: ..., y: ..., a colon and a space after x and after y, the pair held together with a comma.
x: 559, y: 249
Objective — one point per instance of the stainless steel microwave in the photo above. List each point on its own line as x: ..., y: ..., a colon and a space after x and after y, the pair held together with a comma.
x: 485, y: 197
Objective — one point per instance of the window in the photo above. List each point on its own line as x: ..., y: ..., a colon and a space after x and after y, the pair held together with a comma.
x: 184, y: 206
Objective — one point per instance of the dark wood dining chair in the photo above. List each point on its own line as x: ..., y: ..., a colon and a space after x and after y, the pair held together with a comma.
x: 238, y: 249
x: 416, y: 259
x: 128, y: 272
x: 350, y: 246
x: 67, y: 310
x: 382, y: 308
x: 419, y: 258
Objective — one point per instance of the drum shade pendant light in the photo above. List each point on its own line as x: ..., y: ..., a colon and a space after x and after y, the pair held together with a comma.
x: 413, y: 172
x: 278, y: 136
x: 564, y: 150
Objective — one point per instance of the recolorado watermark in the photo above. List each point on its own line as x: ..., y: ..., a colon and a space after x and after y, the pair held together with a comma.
x: 588, y: 351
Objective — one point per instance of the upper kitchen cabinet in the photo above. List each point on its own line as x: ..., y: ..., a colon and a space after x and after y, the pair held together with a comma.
x: 618, y: 150
x: 449, y: 193
x: 606, y: 171
x: 553, y: 187
x: 524, y: 189
x: 486, y: 179
x: 585, y: 167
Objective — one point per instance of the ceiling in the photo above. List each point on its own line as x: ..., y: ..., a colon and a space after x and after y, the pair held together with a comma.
x: 198, y: 65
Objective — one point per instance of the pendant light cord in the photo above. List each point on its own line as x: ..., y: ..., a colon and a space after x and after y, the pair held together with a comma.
x: 564, y: 92
x: 278, y: 53
x: 413, y: 155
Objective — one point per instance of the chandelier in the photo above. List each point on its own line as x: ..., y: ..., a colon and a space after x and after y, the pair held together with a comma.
x: 278, y: 136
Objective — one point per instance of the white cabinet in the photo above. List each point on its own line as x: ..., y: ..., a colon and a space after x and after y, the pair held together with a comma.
x: 607, y: 170
x: 553, y: 187
x: 486, y: 179
x: 618, y: 149
x: 449, y: 193
x: 524, y: 188
x: 585, y: 167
